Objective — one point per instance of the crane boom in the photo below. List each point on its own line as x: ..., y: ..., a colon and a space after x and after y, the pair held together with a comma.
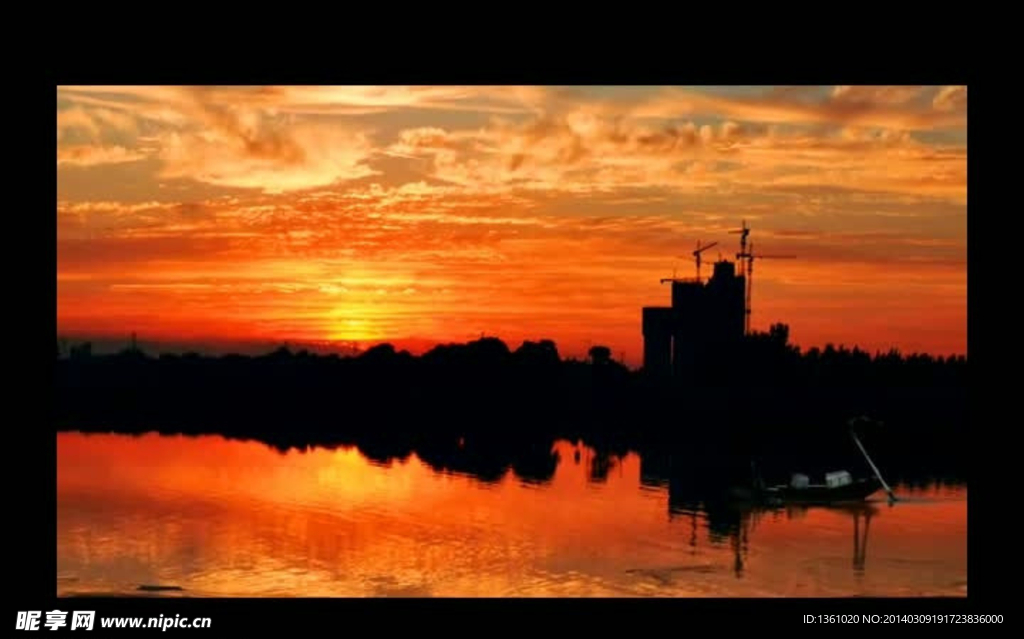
x: 696, y: 254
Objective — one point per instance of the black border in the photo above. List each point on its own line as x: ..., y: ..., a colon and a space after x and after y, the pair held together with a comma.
x: 32, y: 516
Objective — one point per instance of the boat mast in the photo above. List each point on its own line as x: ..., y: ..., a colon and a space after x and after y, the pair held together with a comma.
x: 892, y: 495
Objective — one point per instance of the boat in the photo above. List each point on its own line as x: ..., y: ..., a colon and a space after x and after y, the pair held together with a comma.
x: 803, y: 492
x: 839, y: 486
x: 854, y: 490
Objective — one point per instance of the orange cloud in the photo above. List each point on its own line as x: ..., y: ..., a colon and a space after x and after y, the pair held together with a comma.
x: 582, y: 151
x: 304, y: 213
x: 886, y: 107
x: 304, y: 158
x: 93, y: 155
x: 951, y: 99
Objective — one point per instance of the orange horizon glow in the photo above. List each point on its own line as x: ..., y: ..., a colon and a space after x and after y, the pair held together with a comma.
x: 427, y: 215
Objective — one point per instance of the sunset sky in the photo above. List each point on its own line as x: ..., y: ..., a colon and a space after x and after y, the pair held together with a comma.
x: 234, y: 216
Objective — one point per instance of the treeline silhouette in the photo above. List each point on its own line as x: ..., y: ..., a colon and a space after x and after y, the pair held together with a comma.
x: 481, y: 407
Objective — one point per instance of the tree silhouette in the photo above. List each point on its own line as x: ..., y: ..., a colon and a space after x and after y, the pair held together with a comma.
x: 771, y: 398
x: 600, y: 355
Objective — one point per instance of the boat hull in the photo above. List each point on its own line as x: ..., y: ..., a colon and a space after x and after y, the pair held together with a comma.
x: 856, y: 491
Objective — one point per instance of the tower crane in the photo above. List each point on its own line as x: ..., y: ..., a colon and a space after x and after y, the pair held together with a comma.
x: 749, y: 256
x: 744, y: 231
x: 696, y: 254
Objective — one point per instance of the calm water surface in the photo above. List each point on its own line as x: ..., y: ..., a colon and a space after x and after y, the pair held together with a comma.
x: 230, y: 518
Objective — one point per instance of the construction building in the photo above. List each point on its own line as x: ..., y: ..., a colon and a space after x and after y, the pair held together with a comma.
x: 705, y: 319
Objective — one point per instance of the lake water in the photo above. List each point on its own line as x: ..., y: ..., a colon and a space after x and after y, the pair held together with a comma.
x: 229, y: 518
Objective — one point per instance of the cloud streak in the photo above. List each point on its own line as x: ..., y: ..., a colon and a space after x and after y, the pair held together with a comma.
x: 899, y: 108
x: 86, y: 156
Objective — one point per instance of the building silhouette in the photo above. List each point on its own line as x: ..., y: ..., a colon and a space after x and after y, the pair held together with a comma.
x: 706, y: 320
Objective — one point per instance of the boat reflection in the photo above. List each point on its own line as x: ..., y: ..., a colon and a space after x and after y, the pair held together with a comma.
x: 860, y: 513
x: 736, y: 523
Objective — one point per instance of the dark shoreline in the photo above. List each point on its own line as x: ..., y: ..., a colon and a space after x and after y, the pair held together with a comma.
x: 772, y: 403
